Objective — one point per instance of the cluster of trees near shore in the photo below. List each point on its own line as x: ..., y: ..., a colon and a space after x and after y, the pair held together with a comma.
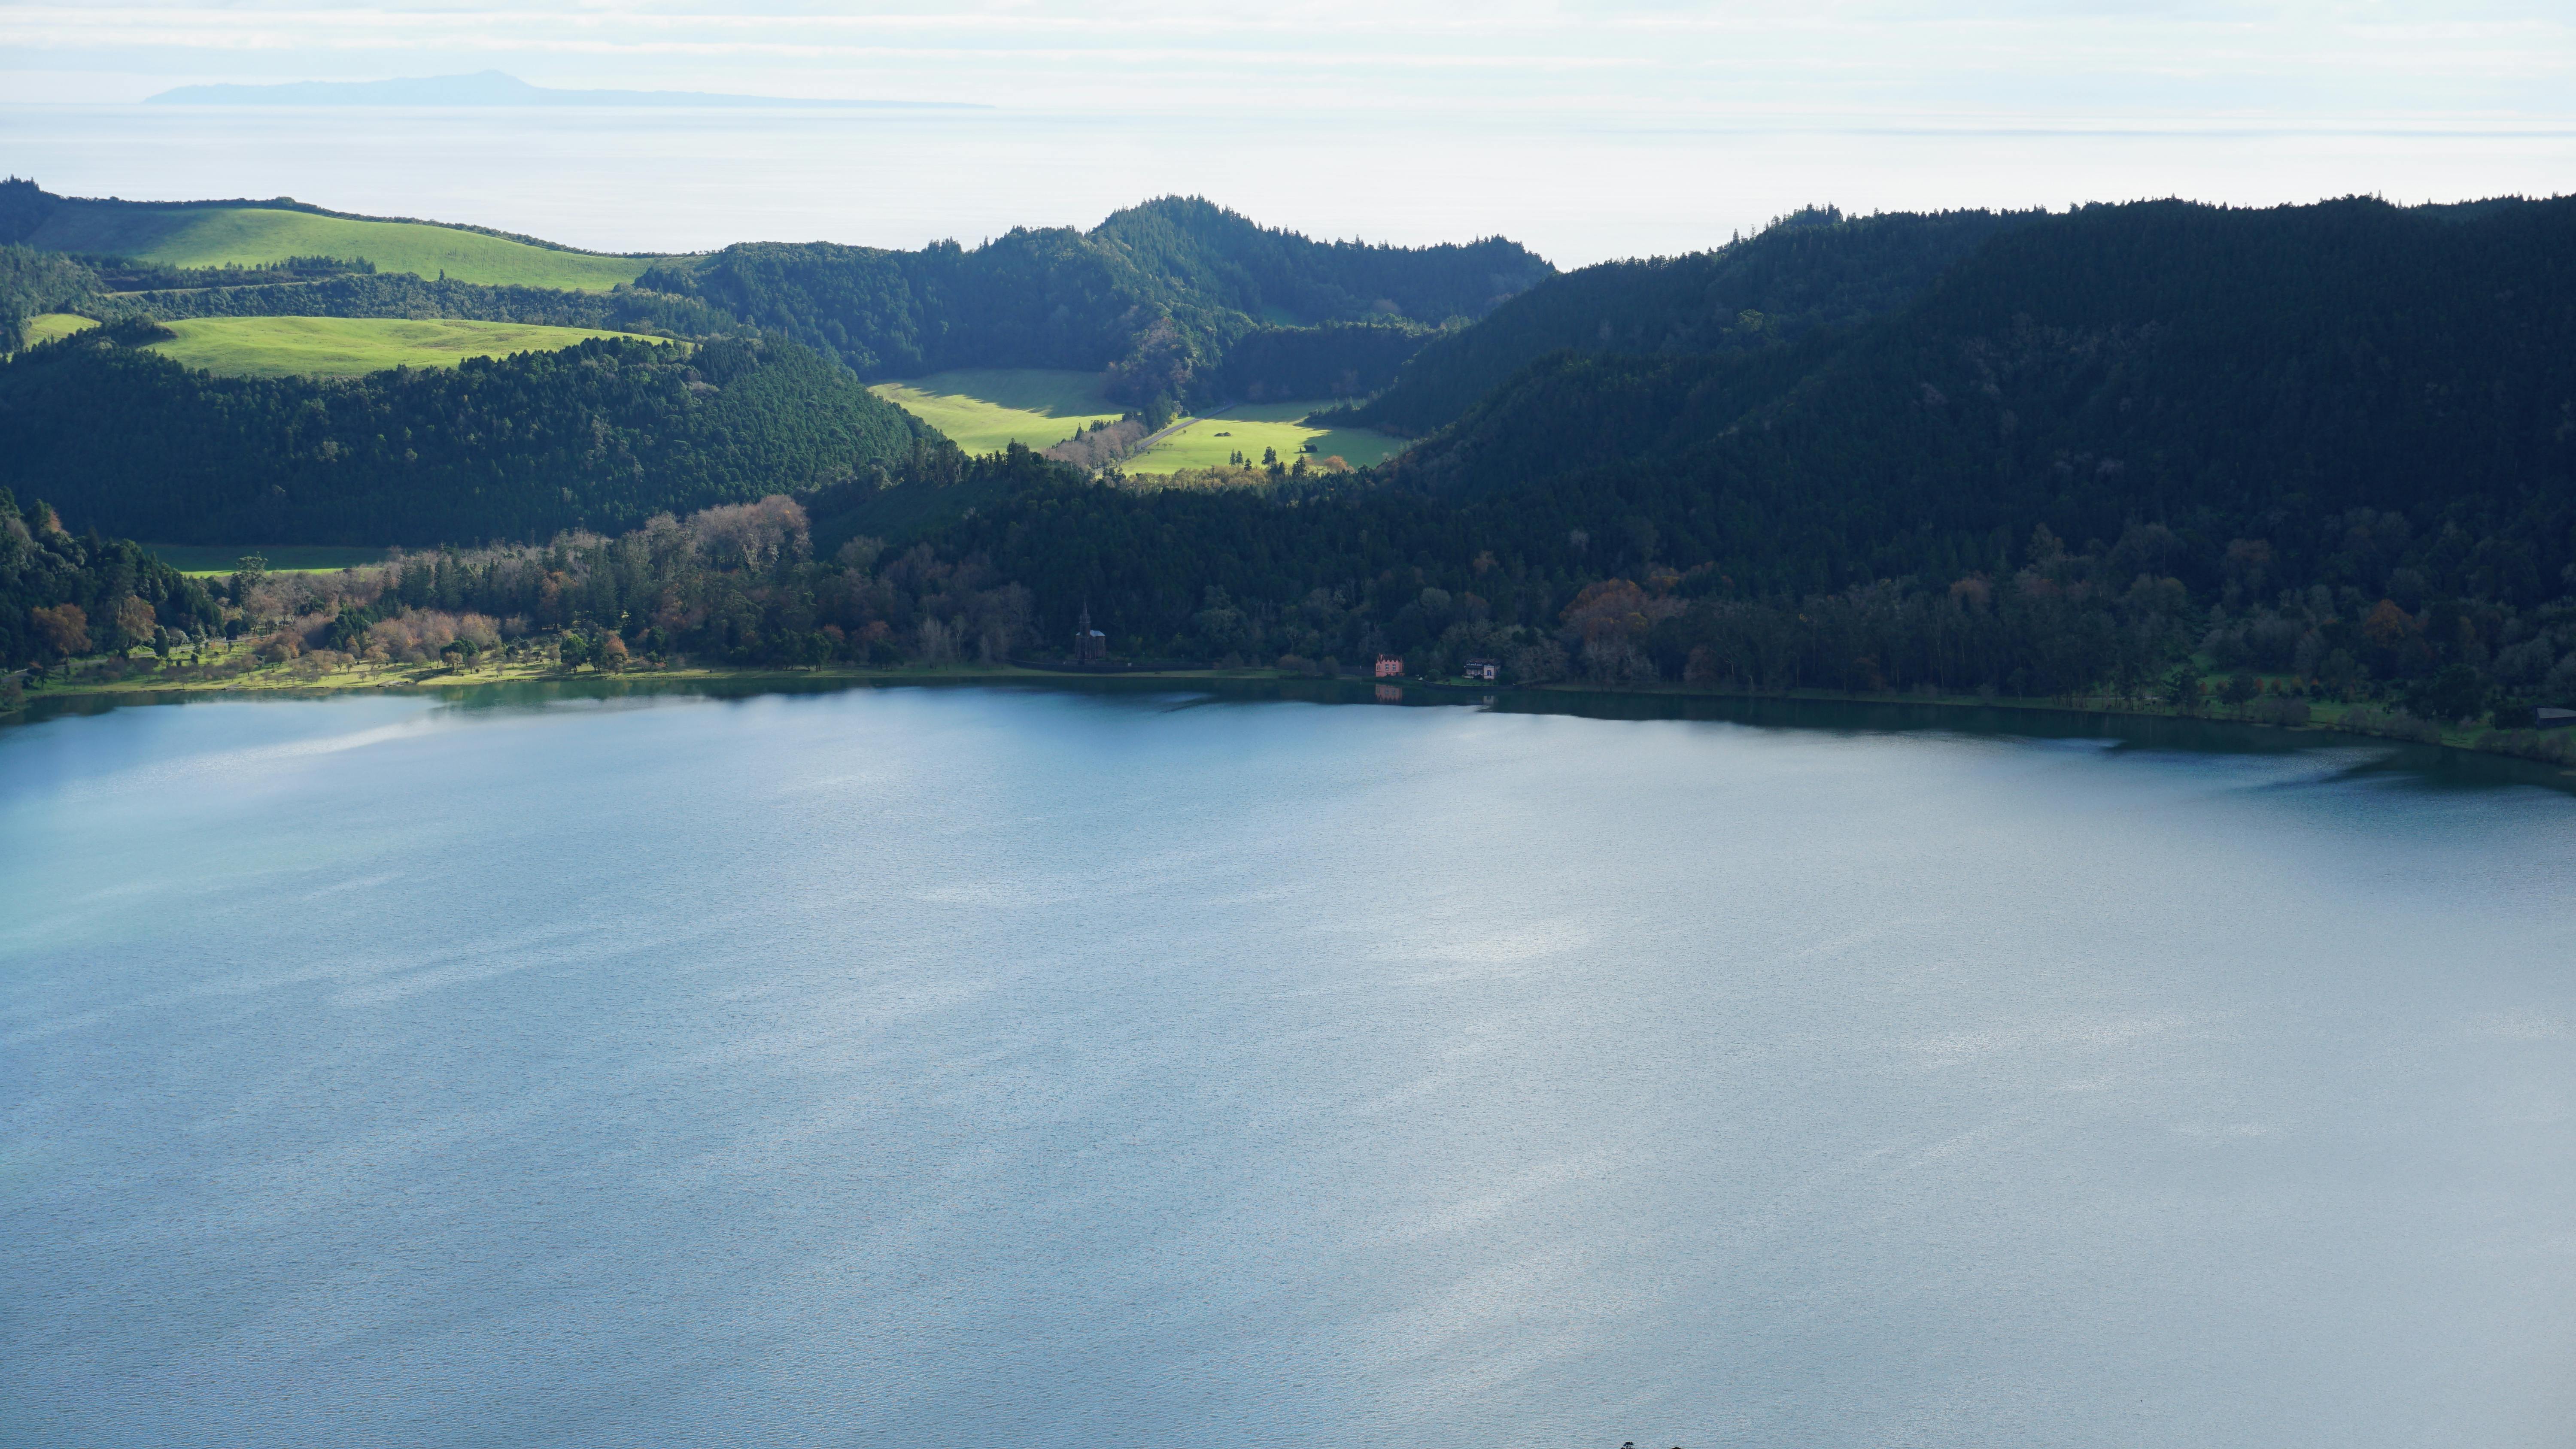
x: 62, y: 596
x: 737, y: 584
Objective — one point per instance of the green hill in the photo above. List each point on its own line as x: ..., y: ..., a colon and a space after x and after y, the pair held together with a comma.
x: 349, y: 346
x: 2229, y: 374
x: 249, y: 233
x: 602, y: 435
x: 1155, y: 296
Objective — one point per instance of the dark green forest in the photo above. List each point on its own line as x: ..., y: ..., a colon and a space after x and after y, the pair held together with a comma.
x: 1156, y: 295
x: 1807, y: 270
x: 1331, y: 360
x: 601, y: 436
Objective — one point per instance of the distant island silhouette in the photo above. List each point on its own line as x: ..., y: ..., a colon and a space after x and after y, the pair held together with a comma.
x: 494, y: 88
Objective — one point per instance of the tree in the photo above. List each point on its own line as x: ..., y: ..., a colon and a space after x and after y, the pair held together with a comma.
x: 2458, y: 692
x: 2183, y: 687
x: 134, y: 622
x: 64, y: 628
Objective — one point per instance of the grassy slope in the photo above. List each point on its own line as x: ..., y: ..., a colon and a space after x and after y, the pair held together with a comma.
x: 985, y: 409
x: 212, y: 236
x: 350, y: 346
x: 1207, y: 442
x: 46, y: 326
x: 216, y: 560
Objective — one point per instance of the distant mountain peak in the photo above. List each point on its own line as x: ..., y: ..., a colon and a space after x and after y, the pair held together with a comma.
x: 496, y: 88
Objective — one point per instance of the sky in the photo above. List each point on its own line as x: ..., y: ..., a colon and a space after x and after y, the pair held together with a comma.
x: 1733, y: 112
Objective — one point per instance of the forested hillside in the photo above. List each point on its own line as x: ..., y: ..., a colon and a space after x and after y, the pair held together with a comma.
x: 599, y: 436
x: 1155, y: 294
x: 1157, y: 297
x: 2335, y: 441
x: 2249, y: 374
x: 1808, y: 270
x: 1335, y: 359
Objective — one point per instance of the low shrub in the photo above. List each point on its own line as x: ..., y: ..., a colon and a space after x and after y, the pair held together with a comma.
x: 2554, y: 747
x: 2277, y: 710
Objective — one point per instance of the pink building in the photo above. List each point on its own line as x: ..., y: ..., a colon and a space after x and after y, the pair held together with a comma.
x: 1389, y: 666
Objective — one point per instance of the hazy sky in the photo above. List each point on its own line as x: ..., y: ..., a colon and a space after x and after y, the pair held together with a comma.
x: 2406, y: 65
x: 1871, y: 105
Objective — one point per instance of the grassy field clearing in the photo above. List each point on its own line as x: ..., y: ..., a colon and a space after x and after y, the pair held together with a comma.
x: 350, y: 346
x: 986, y: 409
x: 1250, y: 427
x: 210, y: 236
x: 46, y: 326
x: 213, y: 560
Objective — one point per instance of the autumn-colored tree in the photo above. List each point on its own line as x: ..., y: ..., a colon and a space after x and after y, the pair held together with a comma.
x: 64, y: 628
x: 134, y: 621
x: 2388, y: 625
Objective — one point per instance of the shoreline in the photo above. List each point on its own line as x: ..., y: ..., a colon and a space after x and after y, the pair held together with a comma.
x: 282, y: 682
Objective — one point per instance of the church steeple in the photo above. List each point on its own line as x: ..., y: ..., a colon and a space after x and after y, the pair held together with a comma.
x: 1088, y: 643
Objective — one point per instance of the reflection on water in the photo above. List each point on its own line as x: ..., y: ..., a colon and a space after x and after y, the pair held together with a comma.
x: 613, y: 1064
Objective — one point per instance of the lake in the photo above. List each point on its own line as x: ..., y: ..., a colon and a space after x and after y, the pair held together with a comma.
x: 913, y: 1066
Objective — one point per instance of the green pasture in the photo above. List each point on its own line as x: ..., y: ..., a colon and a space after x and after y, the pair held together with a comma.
x: 985, y: 409
x: 210, y: 236
x: 1208, y: 442
x: 213, y: 560
x: 46, y: 326
x: 351, y: 346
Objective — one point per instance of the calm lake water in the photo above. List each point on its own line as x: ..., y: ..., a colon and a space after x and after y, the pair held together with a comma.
x: 981, y: 1067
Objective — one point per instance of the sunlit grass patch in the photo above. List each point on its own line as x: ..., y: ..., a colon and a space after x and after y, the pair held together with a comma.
x: 212, y: 236
x: 351, y: 346
x: 986, y: 409
x: 1253, y: 428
